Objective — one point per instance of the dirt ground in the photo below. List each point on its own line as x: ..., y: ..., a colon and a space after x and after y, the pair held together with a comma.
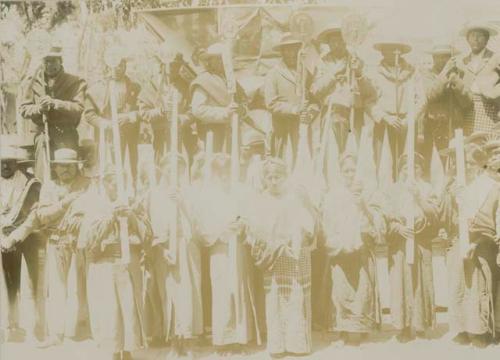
x: 326, y: 346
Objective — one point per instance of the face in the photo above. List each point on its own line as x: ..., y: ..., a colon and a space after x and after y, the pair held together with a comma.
x: 289, y: 54
x: 274, y: 181
x: 66, y: 173
x: 477, y: 40
x: 389, y: 56
x: 52, y: 65
x: 9, y: 167
x: 336, y: 44
x: 440, y: 60
x: 118, y: 72
x: 404, y: 172
x: 349, y: 171
x: 110, y: 187
x: 215, y: 65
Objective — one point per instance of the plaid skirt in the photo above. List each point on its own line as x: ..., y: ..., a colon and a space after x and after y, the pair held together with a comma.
x: 482, y: 117
x: 288, y: 305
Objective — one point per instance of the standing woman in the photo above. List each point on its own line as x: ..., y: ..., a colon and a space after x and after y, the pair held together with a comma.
x: 178, y: 276
x: 353, y: 224
x: 412, y: 285
x: 281, y: 235
x: 220, y: 211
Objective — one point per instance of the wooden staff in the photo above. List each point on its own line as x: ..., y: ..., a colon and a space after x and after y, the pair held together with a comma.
x: 174, y: 140
x: 235, y: 166
x: 120, y: 181
x: 410, y: 214
x: 102, y: 156
x: 397, y: 54
x: 463, y: 228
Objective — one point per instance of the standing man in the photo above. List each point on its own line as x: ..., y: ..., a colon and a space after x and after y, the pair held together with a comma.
x: 211, y: 103
x: 339, y: 80
x: 394, y: 79
x: 464, y: 72
x: 54, y: 96
x: 444, y: 105
x: 19, y: 194
x: 472, y: 261
x: 155, y: 105
x: 98, y: 107
x: 58, y: 215
x: 283, y: 99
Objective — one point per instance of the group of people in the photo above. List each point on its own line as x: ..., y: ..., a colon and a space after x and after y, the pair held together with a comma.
x: 253, y: 249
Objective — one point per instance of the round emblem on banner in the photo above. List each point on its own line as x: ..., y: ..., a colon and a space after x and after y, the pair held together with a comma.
x: 229, y: 29
x: 301, y: 25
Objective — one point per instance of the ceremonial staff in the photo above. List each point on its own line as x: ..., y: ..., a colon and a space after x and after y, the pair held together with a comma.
x: 397, y: 54
x: 410, y: 213
x: 463, y: 228
x: 229, y: 32
x: 174, y: 140
x: 120, y: 180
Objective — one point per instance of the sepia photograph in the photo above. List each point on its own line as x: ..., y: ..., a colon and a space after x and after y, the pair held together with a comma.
x: 249, y: 179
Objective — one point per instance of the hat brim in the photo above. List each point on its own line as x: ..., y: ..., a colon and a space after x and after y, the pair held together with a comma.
x: 283, y: 44
x: 402, y: 47
x: 490, y: 30
x: 323, y: 36
x: 65, y: 162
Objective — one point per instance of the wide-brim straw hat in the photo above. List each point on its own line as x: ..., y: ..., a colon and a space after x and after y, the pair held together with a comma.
x: 66, y: 156
x: 287, y: 39
x: 53, y: 51
x: 388, y: 43
x: 14, y: 153
x: 332, y: 28
x: 442, y: 49
x: 479, y: 25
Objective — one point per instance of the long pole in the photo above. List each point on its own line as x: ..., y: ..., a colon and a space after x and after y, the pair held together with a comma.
x: 120, y: 181
x: 410, y: 215
x: 463, y: 228
x: 397, y: 54
x: 235, y: 170
x: 174, y: 140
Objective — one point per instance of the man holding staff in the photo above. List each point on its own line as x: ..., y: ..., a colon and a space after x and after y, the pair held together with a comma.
x: 339, y: 81
x: 472, y: 258
x: 54, y: 101
x: 58, y: 215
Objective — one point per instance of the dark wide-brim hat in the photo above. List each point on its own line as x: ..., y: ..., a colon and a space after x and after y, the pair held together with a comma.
x: 333, y: 28
x: 393, y: 44
x: 287, y: 39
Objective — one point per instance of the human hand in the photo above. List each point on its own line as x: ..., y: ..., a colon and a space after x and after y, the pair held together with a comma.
x: 393, y: 122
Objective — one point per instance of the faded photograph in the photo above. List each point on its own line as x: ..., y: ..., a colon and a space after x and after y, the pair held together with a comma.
x: 236, y: 179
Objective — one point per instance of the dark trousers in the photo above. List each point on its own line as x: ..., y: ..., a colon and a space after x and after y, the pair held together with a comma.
x: 283, y: 131
x: 397, y: 140
x: 221, y: 138
x: 34, y: 251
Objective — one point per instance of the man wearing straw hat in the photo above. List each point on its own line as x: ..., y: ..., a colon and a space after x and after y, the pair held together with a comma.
x: 466, y: 71
x: 19, y: 194
x: 58, y: 217
x: 283, y: 99
x: 443, y: 106
x: 98, y: 107
x: 53, y: 95
x: 395, y: 80
x: 337, y: 78
x: 211, y: 102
